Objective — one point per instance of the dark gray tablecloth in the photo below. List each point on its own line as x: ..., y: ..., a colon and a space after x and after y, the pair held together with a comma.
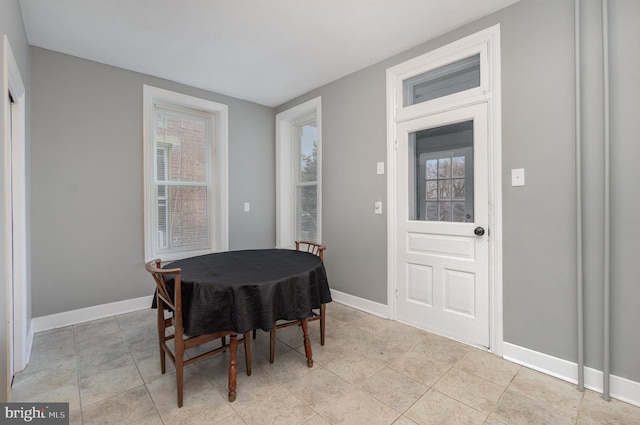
x: 244, y: 290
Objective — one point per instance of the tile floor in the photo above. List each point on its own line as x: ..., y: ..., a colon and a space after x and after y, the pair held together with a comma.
x: 370, y: 371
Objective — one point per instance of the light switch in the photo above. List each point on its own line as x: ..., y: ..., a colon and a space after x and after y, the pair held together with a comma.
x: 517, y: 177
x: 247, y: 207
x: 377, y: 207
x: 380, y: 167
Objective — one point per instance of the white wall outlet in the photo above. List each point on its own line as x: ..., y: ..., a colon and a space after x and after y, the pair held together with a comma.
x: 247, y: 207
x: 380, y: 168
x: 377, y: 207
x: 517, y: 177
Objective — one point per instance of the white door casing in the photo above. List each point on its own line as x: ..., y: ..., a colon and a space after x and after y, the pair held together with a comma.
x: 482, y: 103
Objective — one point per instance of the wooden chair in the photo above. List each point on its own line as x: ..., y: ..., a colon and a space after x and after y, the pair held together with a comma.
x: 182, y: 342
x: 315, y: 249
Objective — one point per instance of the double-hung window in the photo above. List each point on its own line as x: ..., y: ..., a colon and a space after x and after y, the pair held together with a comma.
x: 299, y: 174
x: 185, y: 175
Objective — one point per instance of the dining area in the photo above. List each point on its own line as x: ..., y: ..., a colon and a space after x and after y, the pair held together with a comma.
x: 211, y: 297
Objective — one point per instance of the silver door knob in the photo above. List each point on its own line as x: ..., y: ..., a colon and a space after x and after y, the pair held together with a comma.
x: 479, y: 231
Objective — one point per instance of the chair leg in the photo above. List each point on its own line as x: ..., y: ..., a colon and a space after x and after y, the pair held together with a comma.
x: 272, y: 344
x: 247, y: 352
x: 179, y: 353
x: 161, y: 335
x: 322, y: 323
x: 254, y: 334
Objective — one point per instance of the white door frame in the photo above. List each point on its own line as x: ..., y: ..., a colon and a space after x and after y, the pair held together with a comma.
x: 487, y: 43
x: 19, y: 335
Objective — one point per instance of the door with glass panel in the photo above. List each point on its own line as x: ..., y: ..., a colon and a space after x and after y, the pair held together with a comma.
x: 442, y: 216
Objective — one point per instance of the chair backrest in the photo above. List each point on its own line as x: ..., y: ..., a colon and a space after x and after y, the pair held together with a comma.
x: 312, y: 247
x: 158, y: 273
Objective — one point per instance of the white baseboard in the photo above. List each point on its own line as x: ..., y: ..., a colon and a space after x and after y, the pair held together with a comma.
x: 73, y: 317
x: 372, y: 307
x: 620, y: 388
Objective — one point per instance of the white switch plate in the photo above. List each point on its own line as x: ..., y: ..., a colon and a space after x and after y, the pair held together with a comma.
x: 377, y: 207
x: 247, y: 207
x: 380, y: 168
x: 517, y: 177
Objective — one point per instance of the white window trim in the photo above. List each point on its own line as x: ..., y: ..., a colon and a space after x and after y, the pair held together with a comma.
x: 220, y: 198
x: 286, y: 169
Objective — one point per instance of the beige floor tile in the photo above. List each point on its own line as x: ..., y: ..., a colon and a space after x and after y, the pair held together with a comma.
x: 289, y: 366
x: 420, y: 367
x: 547, y: 390
x: 324, y: 354
x: 515, y: 408
x: 394, y: 389
x: 471, y: 390
x: 251, y: 389
x: 440, y: 348
x: 164, y: 390
x: 369, y: 371
x: 207, y: 406
x: 52, y: 349
x: 373, y: 324
x: 318, y: 389
x: 488, y: 366
x: 153, y: 419
x: 493, y: 421
x: 277, y: 408
x: 380, y: 349
x: 359, y: 408
x: 75, y: 417
x: 595, y: 411
x: 354, y: 368
x: 403, y: 420
x: 49, y: 385
x: 405, y: 335
x: 102, y: 383
x: 436, y: 408
x: 121, y: 409
x: 317, y: 420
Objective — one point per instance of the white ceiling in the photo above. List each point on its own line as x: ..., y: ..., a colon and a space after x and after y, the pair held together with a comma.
x: 264, y: 51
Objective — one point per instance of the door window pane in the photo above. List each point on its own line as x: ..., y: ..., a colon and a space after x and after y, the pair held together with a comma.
x: 441, y: 170
x: 449, y: 79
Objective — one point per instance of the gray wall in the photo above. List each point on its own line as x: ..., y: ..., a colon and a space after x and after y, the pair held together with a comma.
x: 87, y: 178
x: 539, y: 263
x: 11, y: 25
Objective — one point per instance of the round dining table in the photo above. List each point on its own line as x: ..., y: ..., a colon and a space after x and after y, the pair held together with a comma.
x: 239, y: 291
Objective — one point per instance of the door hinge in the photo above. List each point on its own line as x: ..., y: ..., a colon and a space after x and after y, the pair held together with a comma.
x: 395, y: 144
x: 396, y: 294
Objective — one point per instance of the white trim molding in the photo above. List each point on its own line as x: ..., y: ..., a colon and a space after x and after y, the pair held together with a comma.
x: 621, y: 388
x: 220, y: 166
x: 377, y: 309
x: 285, y: 170
x: 74, y: 317
x: 15, y: 189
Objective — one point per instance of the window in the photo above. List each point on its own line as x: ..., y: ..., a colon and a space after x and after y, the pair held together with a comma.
x: 441, y: 170
x: 306, y: 189
x: 299, y: 182
x: 452, y: 78
x: 185, y: 175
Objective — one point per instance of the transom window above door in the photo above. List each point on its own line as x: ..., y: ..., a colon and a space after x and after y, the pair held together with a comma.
x: 454, y: 77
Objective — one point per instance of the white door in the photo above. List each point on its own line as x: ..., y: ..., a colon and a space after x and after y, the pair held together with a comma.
x: 442, y: 218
